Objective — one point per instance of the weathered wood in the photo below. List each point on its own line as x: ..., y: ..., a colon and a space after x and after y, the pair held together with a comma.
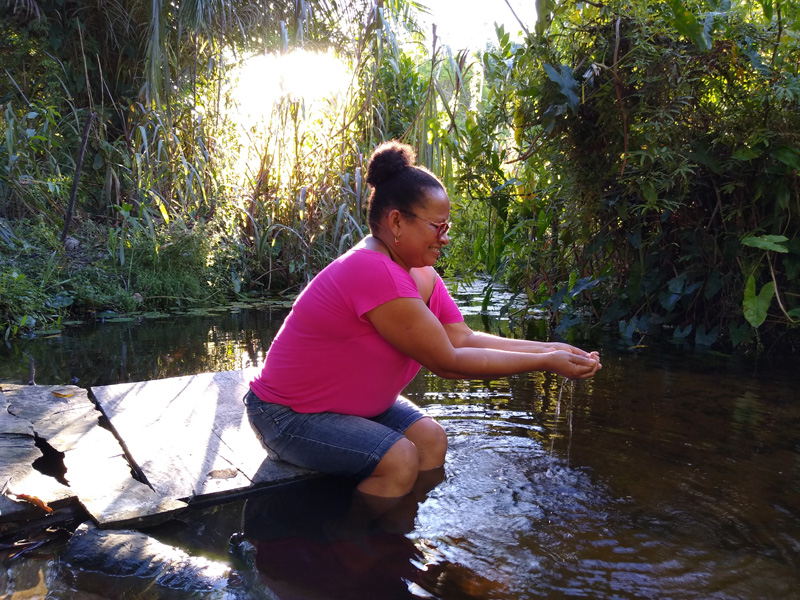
x: 190, y: 435
x: 97, y: 470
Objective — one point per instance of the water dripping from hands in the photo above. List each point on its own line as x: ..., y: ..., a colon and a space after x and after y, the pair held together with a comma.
x: 557, y: 417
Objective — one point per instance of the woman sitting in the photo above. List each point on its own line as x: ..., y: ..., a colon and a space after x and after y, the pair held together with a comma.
x: 328, y: 397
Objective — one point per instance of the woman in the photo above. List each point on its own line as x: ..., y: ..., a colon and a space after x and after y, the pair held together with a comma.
x: 328, y: 397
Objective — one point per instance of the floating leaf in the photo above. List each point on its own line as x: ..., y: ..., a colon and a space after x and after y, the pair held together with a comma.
x: 36, y: 501
x: 755, y: 307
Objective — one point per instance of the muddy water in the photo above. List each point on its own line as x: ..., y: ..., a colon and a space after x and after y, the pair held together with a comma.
x: 672, y: 474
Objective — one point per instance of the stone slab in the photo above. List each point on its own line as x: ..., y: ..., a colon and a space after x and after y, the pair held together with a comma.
x: 189, y: 436
x: 97, y: 470
x: 18, y: 452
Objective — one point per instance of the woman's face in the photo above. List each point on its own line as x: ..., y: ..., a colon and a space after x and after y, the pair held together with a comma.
x: 423, y: 231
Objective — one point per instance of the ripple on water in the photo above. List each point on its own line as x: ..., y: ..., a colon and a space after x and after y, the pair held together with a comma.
x: 517, y: 514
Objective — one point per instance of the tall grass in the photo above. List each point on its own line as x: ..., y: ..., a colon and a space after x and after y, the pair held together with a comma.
x: 162, y: 197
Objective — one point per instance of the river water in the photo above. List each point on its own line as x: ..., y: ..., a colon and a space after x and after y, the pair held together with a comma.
x: 674, y: 473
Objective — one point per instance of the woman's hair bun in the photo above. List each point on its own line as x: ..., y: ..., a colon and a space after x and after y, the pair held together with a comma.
x: 389, y: 159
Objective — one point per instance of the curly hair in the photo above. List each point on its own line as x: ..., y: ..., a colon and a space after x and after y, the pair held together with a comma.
x: 397, y: 183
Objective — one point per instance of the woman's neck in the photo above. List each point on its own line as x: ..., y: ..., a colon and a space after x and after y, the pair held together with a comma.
x: 373, y: 242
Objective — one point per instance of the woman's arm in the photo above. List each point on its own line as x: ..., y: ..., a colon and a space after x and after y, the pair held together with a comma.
x: 411, y: 327
x: 461, y: 336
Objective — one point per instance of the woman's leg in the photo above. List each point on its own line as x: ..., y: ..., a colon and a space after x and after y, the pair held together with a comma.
x: 402, y: 441
x: 431, y: 442
x: 328, y: 442
x: 395, y: 473
x: 400, y: 467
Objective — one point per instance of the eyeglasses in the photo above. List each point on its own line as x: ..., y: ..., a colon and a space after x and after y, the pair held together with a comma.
x: 441, y: 228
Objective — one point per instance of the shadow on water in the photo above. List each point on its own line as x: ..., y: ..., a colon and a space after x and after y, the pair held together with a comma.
x: 312, y: 541
x: 672, y: 474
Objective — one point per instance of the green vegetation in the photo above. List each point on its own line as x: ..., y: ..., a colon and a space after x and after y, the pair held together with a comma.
x: 631, y: 165
x: 655, y: 183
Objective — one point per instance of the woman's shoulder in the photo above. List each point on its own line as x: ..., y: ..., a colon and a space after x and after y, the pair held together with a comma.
x: 361, y: 257
x: 425, y: 278
x: 370, y: 268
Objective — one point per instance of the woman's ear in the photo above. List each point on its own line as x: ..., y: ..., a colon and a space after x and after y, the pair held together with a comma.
x: 393, y: 219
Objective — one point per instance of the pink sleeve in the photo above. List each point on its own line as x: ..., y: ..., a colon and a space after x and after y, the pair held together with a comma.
x: 376, y: 285
x: 442, y: 304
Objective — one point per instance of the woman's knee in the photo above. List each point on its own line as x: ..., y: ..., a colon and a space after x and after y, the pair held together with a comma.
x: 396, y: 472
x: 430, y: 440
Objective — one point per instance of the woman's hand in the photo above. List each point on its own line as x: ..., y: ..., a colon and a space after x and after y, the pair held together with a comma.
x: 573, y: 365
x: 556, y: 346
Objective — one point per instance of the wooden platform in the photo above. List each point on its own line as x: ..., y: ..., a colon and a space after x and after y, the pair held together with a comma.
x: 166, y: 443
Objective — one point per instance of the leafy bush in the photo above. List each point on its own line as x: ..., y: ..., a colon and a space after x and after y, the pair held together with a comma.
x: 22, y: 303
x: 656, y: 158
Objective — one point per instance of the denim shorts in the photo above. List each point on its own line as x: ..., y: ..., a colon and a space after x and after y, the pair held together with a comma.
x: 329, y: 442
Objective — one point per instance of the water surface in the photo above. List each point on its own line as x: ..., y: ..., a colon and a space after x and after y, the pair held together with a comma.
x: 674, y: 473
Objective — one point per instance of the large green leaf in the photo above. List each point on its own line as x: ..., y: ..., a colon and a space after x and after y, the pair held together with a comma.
x: 766, y: 5
x: 543, y: 10
x: 738, y: 333
x: 788, y: 156
x: 706, y: 338
x: 767, y: 242
x: 567, y: 84
x: 747, y: 153
x: 687, y: 24
x: 755, y: 307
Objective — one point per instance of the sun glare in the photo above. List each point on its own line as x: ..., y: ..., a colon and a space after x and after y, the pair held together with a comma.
x: 264, y: 80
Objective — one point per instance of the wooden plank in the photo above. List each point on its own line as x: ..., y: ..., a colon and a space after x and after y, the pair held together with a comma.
x: 97, y: 469
x: 190, y: 435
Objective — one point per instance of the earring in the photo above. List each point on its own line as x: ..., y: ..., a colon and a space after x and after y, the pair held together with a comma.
x: 396, y: 241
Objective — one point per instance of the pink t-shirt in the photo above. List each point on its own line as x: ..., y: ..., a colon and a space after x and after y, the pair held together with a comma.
x: 328, y: 357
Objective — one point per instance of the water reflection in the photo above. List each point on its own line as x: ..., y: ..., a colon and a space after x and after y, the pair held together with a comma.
x: 317, y: 540
x: 107, y: 353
